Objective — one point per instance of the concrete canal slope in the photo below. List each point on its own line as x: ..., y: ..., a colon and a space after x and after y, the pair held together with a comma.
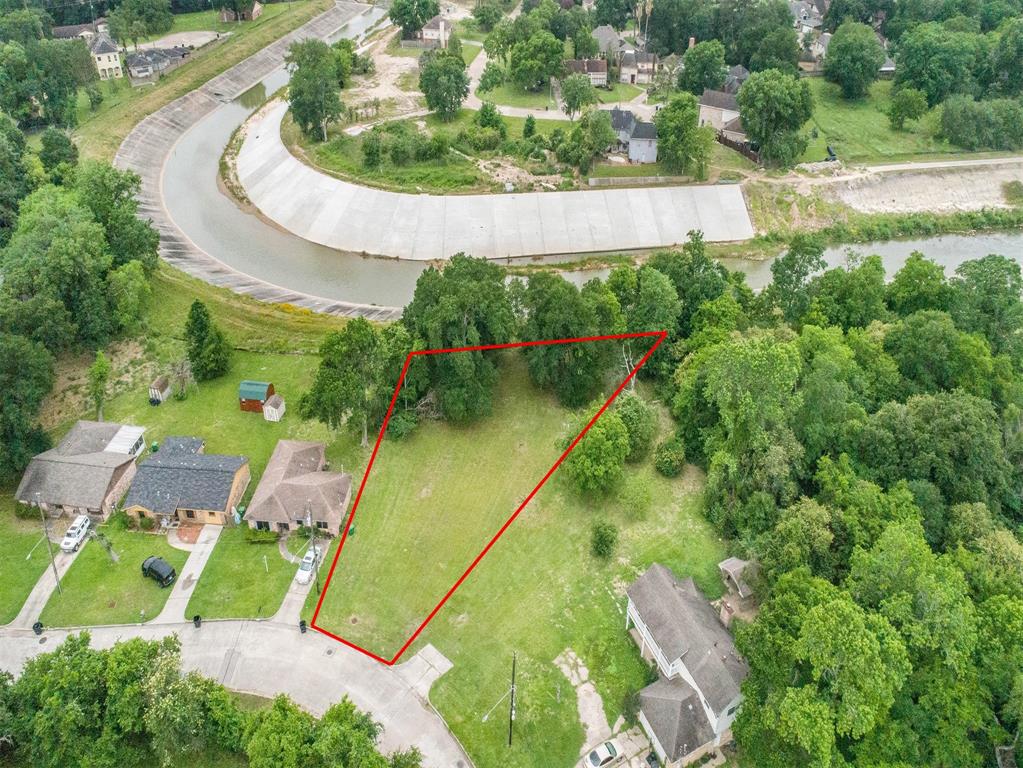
x: 146, y: 148
x: 349, y: 217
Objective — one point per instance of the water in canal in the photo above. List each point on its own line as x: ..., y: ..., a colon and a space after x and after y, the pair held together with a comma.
x: 248, y: 244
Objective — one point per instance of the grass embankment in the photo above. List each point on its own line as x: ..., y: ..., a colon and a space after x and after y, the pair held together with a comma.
x: 209, y: 21
x: 456, y: 173
x: 100, y: 133
x: 859, y: 132
x: 100, y: 591
x: 23, y: 556
x: 431, y: 504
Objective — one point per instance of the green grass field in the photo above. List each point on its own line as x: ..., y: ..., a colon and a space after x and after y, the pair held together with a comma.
x: 19, y: 571
x: 619, y: 92
x: 100, y: 133
x: 431, y: 504
x: 237, y: 583
x: 470, y: 52
x: 511, y: 95
x: 859, y: 131
x: 99, y: 591
x: 203, y: 21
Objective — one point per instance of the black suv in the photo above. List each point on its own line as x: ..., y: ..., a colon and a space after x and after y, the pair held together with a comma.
x: 159, y: 570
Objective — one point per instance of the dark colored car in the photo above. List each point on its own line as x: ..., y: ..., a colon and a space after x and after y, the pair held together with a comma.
x: 159, y: 570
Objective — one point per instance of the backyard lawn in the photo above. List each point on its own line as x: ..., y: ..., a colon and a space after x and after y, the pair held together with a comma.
x: 211, y: 410
x: 99, y: 591
x: 238, y: 583
x: 619, y: 92
x: 431, y: 504
x: 23, y: 556
x: 100, y: 133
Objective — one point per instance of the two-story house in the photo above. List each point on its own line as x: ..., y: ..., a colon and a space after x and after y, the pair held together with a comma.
x: 689, y: 711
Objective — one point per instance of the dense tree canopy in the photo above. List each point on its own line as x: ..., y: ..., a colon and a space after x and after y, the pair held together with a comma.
x: 854, y: 59
x: 774, y: 107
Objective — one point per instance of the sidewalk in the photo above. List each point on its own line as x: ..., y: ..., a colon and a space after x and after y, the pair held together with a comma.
x: 45, y: 587
x: 174, y: 610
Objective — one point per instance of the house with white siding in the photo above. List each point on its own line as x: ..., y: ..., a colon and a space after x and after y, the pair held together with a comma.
x: 689, y: 711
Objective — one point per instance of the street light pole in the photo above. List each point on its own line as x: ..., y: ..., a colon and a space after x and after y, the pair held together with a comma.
x: 49, y: 544
x: 511, y: 708
x: 312, y: 542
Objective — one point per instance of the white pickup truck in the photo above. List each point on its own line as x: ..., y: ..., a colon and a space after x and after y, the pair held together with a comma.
x: 76, y: 534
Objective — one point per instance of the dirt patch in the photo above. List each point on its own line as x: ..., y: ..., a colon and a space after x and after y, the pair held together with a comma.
x: 936, y: 191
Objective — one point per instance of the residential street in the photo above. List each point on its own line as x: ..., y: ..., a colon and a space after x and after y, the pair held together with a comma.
x: 267, y: 658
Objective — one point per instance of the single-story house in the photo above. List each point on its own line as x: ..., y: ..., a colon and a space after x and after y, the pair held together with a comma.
x: 638, y: 67
x: 436, y: 32
x: 86, y: 473
x: 718, y: 108
x: 252, y: 395
x: 182, y: 482
x: 689, y: 711
x: 82, y: 31
x: 595, y: 69
x: 273, y: 409
x: 733, y: 130
x: 296, y: 487
x: 159, y: 390
x: 635, y: 137
x: 153, y: 61
x: 105, y: 56
x: 253, y: 13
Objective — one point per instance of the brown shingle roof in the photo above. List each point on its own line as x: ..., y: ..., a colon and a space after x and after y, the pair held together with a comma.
x: 719, y: 100
x: 294, y: 478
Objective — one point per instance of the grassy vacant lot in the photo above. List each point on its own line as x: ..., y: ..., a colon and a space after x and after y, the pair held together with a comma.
x: 511, y: 95
x: 18, y: 572
x: 429, y: 507
x: 859, y: 131
x: 237, y: 583
x: 619, y: 92
x: 725, y: 164
x: 209, y: 21
x: 99, y: 591
x: 100, y: 133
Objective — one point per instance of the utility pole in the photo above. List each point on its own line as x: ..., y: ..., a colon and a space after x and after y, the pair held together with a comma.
x: 49, y: 544
x: 511, y: 708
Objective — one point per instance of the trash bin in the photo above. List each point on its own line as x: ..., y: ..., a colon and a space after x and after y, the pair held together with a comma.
x: 301, y: 626
x: 197, y: 620
x: 38, y: 627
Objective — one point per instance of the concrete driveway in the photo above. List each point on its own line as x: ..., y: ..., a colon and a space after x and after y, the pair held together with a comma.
x: 349, y: 217
x: 267, y: 658
x: 47, y: 584
x: 174, y: 609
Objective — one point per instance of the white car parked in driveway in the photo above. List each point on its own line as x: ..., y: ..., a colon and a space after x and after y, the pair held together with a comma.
x: 309, y: 563
x: 76, y: 534
x: 604, y: 755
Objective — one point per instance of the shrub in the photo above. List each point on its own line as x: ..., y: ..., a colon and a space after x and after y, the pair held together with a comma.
x: 121, y: 521
x: 529, y: 127
x: 604, y: 540
x: 489, y: 117
x: 254, y: 536
x: 907, y: 104
x: 992, y: 124
x: 402, y: 424
x: 372, y: 150
x: 481, y: 139
x: 670, y: 457
x: 147, y: 523
x: 640, y: 420
x: 400, y: 148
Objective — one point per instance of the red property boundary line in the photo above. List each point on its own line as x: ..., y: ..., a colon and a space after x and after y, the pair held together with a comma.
x: 659, y: 335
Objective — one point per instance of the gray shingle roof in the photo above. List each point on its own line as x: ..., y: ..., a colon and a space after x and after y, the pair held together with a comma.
x: 181, y: 477
x: 102, y: 43
x: 676, y: 716
x: 608, y: 40
x: 79, y: 471
x: 644, y: 130
x: 622, y: 120
x: 719, y: 100
x: 585, y: 66
x: 685, y: 625
x: 293, y: 478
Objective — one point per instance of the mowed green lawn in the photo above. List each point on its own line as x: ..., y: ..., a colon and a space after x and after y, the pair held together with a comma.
x: 859, y: 132
x: 100, y: 591
x: 430, y: 506
x: 238, y: 583
x: 18, y: 570
x: 512, y: 95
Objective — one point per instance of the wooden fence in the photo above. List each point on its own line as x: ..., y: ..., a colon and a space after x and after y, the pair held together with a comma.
x: 741, y: 147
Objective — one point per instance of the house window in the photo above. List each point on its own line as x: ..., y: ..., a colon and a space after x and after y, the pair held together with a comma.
x: 282, y: 526
x: 262, y: 525
x: 321, y: 524
x: 189, y: 513
x: 731, y: 711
